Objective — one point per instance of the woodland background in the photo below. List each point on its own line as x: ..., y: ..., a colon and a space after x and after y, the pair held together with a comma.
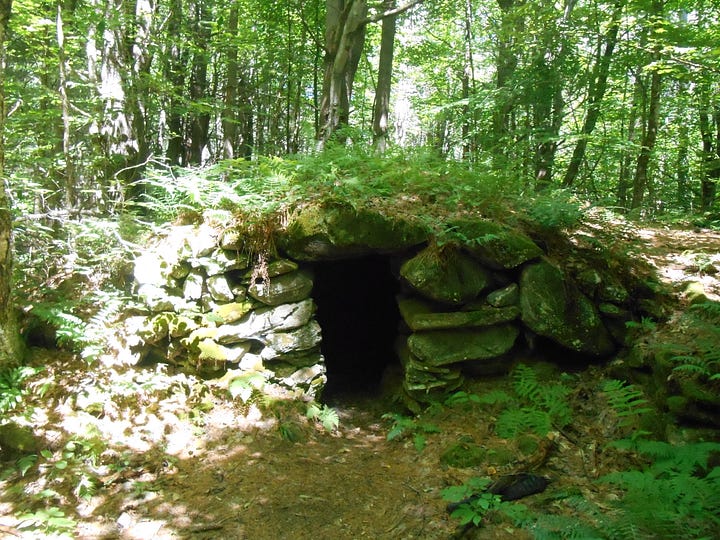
x: 107, y: 104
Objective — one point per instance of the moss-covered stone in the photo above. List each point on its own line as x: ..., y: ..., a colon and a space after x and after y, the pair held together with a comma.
x: 333, y: 231
x: 16, y: 440
x: 552, y: 306
x: 233, y: 311
x: 445, y: 275
x: 441, y: 347
x: 283, y: 289
x: 416, y: 316
x: 496, y: 245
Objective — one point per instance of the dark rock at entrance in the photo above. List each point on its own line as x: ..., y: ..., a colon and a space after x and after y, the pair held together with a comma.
x: 340, y: 231
x: 441, y: 347
x: 553, y: 306
x: 445, y: 275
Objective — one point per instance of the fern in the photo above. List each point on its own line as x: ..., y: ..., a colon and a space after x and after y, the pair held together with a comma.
x: 627, y: 401
x: 327, y: 416
x: 12, y: 388
x: 545, y: 405
x: 514, y: 422
x: 675, y: 496
x: 525, y: 383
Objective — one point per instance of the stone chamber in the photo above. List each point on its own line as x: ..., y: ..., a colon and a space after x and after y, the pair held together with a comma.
x: 348, y: 294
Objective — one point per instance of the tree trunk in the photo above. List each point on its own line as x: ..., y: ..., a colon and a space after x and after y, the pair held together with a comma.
x: 507, y: 61
x: 381, y: 108
x: 200, y: 119
x: 682, y: 161
x: 71, y: 195
x: 641, y: 179
x: 229, y: 120
x: 344, y: 41
x: 10, y: 343
x: 709, y: 123
x: 174, y: 69
x: 549, y: 103
x: 596, y: 93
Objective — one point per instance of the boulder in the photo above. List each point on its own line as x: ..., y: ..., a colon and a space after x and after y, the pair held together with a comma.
x: 301, y: 339
x: 445, y: 275
x: 280, y: 318
x: 283, y: 289
x: 210, y: 350
x: 507, y: 296
x: 234, y: 311
x: 337, y: 231
x: 193, y: 286
x: 221, y: 260
x: 441, y: 347
x: 552, y: 306
x: 417, y: 316
x: 496, y: 246
x: 219, y: 288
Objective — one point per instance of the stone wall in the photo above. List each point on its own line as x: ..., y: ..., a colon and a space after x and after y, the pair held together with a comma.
x: 466, y: 306
x: 208, y: 310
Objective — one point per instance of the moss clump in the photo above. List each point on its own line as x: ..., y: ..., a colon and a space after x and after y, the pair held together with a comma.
x: 464, y: 454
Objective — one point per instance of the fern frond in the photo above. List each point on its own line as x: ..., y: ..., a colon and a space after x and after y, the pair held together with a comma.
x: 513, y: 422
x: 627, y: 401
x: 525, y: 383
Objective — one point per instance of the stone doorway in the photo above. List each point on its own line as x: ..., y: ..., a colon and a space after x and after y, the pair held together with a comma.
x: 359, y: 317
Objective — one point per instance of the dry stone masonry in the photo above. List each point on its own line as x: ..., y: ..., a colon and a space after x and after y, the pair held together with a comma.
x: 466, y: 305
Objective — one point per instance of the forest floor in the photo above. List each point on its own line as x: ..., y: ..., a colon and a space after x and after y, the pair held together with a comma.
x: 141, y: 454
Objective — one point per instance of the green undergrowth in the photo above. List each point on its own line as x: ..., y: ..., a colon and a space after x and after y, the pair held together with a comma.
x: 405, y: 182
x: 663, y: 490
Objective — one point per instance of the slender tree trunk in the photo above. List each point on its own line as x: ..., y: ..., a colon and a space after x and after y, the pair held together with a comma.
x: 344, y: 41
x: 71, y: 194
x: 596, y: 93
x: 626, y: 162
x: 381, y: 109
x: 511, y: 26
x: 709, y: 123
x: 229, y: 120
x: 247, y: 117
x: 640, y: 182
x: 682, y: 163
x: 10, y: 343
x: 641, y: 179
x: 175, y: 74
x: 200, y: 120
x: 469, y: 127
x: 549, y: 103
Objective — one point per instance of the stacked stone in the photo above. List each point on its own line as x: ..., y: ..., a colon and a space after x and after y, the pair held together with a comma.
x: 450, y: 323
x: 209, y: 311
x: 469, y: 301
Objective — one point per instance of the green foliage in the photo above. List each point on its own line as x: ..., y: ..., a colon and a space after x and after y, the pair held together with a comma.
x: 70, y: 465
x: 676, y: 495
x: 327, y: 416
x: 555, y: 210
x: 646, y: 325
x: 475, y: 503
x: 627, y: 400
x: 405, y: 426
x: 51, y: 521
x: 246, y: 385
x: 12, y: 388
x: 544, y: 405
x: 701, y: 358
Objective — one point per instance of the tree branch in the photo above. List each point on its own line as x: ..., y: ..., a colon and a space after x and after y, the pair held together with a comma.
x: 397, y: 11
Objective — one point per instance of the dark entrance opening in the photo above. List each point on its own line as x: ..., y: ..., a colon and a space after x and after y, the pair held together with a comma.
x: 359, y: 317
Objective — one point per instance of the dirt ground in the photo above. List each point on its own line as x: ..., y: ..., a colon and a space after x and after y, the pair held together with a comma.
x: 165, y: 456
